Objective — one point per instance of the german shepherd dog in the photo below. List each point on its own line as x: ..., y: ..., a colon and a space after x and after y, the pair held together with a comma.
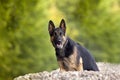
x: 71, y: 56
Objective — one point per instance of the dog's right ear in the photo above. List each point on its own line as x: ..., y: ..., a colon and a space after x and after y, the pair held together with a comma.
x: 51, y: 27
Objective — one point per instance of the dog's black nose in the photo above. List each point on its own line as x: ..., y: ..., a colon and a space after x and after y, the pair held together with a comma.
x: 59, y: 41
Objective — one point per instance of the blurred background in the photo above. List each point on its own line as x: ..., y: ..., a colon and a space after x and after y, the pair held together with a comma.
x: 24, y: 39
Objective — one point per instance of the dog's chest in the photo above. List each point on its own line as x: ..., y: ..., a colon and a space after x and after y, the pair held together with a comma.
x: 69, y: 62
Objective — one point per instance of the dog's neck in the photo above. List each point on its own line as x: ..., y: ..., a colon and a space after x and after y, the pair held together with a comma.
x: 60, y: 52
x: 66, y: 50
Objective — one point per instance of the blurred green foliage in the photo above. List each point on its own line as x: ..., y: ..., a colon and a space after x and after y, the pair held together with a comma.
x: 98, y: 24
x: 24, y: 40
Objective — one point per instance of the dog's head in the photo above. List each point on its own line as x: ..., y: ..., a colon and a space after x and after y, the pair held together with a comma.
x: 57, y: 35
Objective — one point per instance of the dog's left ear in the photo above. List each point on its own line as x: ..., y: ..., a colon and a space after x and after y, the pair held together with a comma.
x: 63, y: 25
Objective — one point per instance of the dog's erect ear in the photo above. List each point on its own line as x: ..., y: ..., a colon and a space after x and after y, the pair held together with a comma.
x: 63, y: 25
x: 51, y: 27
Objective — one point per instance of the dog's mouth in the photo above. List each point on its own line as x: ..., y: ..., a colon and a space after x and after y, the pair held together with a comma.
x: 59, y: 44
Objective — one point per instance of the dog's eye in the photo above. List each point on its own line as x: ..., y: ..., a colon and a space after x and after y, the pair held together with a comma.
x: 60, y: 33
x: 55, y: 33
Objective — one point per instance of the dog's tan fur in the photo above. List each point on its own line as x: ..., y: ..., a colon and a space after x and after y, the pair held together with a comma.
x: 70, y: 62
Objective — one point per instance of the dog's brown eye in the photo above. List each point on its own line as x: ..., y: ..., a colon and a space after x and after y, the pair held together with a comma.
x: 55, y: 33
x: 60, y: 33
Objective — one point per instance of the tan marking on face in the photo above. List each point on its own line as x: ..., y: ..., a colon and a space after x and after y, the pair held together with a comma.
x: 64, y: 40
x: 52, y: 38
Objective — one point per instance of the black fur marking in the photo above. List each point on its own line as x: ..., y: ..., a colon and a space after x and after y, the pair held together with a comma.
x: 88, y: 60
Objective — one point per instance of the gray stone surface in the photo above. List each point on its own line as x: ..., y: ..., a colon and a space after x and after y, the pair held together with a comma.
x: 107, y: 72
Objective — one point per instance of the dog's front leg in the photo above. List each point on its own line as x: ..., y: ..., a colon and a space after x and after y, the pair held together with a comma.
x: 80, y: 67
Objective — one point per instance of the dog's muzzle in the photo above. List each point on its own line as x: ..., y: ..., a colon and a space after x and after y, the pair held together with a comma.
x: 59, y: 44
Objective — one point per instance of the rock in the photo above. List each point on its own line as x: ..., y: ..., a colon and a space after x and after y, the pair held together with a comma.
x: 107, y: 72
